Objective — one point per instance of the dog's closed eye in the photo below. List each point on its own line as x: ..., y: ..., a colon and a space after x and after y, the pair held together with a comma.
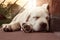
x: 37, y: 17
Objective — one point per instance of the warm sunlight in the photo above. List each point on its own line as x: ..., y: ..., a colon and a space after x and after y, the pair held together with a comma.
x: 7, y: 1
x: 30, y: 3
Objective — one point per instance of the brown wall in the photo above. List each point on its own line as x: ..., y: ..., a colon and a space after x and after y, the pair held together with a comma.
x: 54, y: 6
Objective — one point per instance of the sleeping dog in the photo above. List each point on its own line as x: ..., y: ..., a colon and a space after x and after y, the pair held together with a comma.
x: 30, y: 20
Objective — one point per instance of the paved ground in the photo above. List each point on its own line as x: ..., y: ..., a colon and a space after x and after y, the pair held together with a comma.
x: 29, y: 36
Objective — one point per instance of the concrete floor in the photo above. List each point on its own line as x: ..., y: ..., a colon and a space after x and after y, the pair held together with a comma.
x: 29, y: 36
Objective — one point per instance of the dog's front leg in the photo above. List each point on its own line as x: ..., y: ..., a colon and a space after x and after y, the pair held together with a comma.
x: 11, y: 27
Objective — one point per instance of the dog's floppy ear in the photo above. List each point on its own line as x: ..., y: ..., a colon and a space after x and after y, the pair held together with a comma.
x: 48, y: 7
x: 45, y: 6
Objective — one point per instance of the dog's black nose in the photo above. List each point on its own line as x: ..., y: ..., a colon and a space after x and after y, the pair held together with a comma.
x: 43, y: 26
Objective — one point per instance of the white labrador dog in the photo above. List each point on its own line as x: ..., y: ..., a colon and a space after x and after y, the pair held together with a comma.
x: 35, y: 19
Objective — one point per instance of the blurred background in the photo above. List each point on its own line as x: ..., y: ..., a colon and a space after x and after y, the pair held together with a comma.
x: 10, y: 8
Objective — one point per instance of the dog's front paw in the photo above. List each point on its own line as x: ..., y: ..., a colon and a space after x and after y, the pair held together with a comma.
x: 26, y: 28
x: 11, y: 27
x: 6, y: 28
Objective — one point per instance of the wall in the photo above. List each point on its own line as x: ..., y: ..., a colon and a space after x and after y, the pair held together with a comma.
x: 55, y: 14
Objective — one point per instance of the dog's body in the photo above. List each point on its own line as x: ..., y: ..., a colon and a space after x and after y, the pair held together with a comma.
x: 31, y: 19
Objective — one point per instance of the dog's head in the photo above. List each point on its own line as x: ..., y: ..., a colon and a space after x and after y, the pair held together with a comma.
x: 37, y: 20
